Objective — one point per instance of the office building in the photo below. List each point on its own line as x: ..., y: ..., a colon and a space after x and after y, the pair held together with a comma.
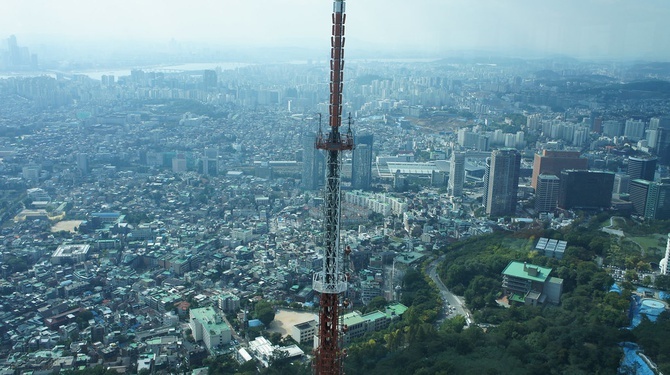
x: 621, y: 184
x: 638, y: 191
x: 313, y: 163
x: 456, y: 174
x: 485, y: 179
x: 641, y: 168
x: 650, y: 200
x: 553, y: 162
x: 662, y: 145
x: 503, y: 182
x: 546, y: 194
x: 361, y: 166
x: 658, y: 202
x: 585, y: 189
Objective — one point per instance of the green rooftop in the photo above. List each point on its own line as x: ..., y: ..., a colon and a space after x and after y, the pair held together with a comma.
x: 527, y: 271
x: 374, y: 315
x: 352, y: 319
x: 210, y: 320
x: 396, y: 308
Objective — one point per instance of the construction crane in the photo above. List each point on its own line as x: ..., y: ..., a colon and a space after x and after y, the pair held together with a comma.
x: 331, y: 280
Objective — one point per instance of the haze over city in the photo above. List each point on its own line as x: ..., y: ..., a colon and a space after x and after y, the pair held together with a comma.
x: 225, y: 187
x: 591, y: 29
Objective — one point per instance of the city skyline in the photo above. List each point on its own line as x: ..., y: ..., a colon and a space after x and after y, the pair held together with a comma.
x: 593, y: 29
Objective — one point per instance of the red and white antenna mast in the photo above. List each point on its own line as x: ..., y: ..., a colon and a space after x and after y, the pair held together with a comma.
x: 331, y: 280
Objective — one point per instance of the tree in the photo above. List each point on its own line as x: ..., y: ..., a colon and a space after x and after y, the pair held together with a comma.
x: 264, y: 312
x: 377, y: 303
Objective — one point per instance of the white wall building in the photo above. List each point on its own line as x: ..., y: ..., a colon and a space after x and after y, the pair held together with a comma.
x: 664, y: 262
x: 209, y: 327
x: 74, y: 253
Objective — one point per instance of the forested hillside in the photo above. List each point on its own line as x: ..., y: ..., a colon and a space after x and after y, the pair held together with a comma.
x: 580, y: 336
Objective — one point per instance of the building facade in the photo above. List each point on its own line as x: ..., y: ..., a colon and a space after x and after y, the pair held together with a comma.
x: 530, y: 284
x: 641, y: 168
x: 585, y: 189
x: 361, y: 164
x: 554, y: 162
x: 207, y: 325
x: 663, y: 264
x: 502, y: 184
x: 456, y: 174
x: 662, y: 145
x: 313, y: 163
x: 546, y: 193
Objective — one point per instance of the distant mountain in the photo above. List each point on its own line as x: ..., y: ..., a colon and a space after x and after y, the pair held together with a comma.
x: 649, y: 86
x: 651, y: 68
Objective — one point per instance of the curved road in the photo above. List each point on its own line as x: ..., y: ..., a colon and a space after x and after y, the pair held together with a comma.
x: 450, y: 299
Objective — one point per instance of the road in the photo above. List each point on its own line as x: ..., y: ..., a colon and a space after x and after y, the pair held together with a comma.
x: 450, y: 299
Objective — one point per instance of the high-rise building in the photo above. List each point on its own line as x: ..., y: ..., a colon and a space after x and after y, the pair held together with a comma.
x: 553, y: 162
x: 597, y: 125
x: 658, y: 202
x: 485, y: 179
x: 210, y: 162
x: 650, y: 200
x: 361, y: 165
x: 585, y: 189
x: 209, y: 79
x: 652, y: 133
x: 546, y: 194
x: 662, y: 145
x: 641, y: 168
x: 456, y: 174
x: 621, y: 184
x: 638, y: 191
x: 179, y: 163
x: 663, y: 264
x: 82, y: 163
x: 613, y: 128
x: 503, y: 182
x: 634, y: 130
x: 312, y: 163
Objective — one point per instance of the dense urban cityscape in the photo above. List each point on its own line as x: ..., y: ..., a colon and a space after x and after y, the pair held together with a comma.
x: 170, y: 218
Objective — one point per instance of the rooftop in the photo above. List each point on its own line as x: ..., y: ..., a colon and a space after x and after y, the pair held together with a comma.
x: 527, y: 271
x: 210, y: 320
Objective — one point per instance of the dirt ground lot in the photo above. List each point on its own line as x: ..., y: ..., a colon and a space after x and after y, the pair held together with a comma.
x: 66, y: 225
x: 285, y: 319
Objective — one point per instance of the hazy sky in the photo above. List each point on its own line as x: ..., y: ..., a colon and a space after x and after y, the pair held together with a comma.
x: 581, y: 28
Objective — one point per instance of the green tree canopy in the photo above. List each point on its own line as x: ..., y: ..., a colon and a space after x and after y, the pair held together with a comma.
x: 265, y: 312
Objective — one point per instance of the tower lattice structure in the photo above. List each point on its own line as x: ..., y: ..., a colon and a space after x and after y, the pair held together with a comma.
x: 331, y: 280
